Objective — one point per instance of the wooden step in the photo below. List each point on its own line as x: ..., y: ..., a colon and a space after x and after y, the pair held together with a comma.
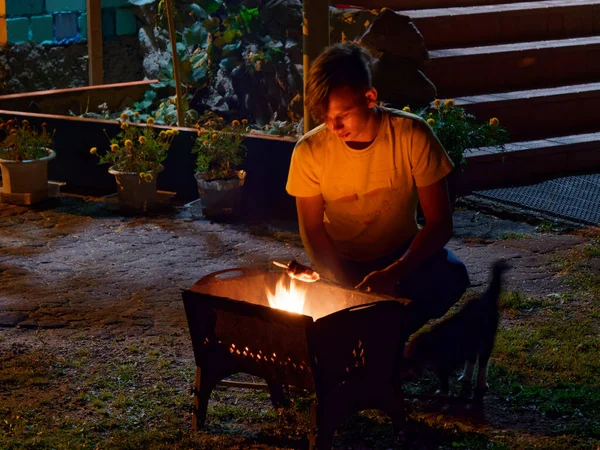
x: 511, y: 22
x: 530, y: 162
x: 538, y: 113
x: 418, y: 4
x: 474, y: 70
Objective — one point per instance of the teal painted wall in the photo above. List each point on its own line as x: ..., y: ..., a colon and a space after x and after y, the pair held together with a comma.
x: 65, y: 21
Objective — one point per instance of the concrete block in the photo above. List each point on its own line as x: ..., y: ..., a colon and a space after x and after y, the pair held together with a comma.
x: 82, y: 20
x: 64, y: 5
x: 113, y: 3
x: 65, y: 26
x: 108, y: 22
x: 24, y: 7
x: 125, y: 21
x: 42, y: 28
x: 17, y: 29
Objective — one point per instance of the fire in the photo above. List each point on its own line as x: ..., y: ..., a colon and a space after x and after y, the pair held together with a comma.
x: 289, y: 299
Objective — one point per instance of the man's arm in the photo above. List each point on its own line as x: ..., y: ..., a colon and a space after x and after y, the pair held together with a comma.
x: 315, y: 239
x: 430, y: 239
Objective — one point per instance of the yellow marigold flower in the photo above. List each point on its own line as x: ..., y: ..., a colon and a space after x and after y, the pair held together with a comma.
x: 430, y: 121
x: 142, y: 139
x: 214, y: 136
x: 245, y: 121
x: 169, y: 132
x: 437, y: 102
x: 221, y: 119
x: 175, y: 131
x: 114, y: 147
x: 199, y: 133
x: 128, y: 143
x: 124, y: 116
x: 136, y: 114
x: 148, y: 177
x: 449, y: 102
x: 93, y: 150
x: 162, y: 134
x: 142, y: 174
x: 150, y: 121
x: 124, y: 126
x: 235, y: 123
x: 406, y: 109
x: 494, y: 122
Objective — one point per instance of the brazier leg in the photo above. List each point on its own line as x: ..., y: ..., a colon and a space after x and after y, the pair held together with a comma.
x: 203, y: 387
x: 277, y: 392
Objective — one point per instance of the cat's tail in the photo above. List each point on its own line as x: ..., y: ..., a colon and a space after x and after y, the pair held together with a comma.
x: 498, y: 268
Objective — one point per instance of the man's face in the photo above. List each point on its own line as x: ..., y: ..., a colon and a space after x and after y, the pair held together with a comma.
x: 349, y: 112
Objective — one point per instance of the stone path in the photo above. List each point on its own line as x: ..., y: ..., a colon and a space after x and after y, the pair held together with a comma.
x: 75, y: 264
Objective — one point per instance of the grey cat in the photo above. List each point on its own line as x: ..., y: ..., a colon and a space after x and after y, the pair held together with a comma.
x: 465, y: 337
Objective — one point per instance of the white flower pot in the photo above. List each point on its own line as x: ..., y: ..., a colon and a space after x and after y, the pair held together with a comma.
x: 26, y: 177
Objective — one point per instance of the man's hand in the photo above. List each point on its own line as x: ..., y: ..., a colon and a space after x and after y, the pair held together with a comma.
x: 380, y: 282
x: 384, y: 281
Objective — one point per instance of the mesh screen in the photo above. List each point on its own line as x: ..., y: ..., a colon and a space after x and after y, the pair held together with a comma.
x: 575, y: 198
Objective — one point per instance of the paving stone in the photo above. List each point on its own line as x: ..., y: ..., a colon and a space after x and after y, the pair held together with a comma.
x: 126, y: 273
x: 28, y: 324
x: 11, y: 319
x: 110, y: 321
x: 52, y: 324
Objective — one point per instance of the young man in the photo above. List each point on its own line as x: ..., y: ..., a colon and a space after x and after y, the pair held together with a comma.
x: 357, y: 179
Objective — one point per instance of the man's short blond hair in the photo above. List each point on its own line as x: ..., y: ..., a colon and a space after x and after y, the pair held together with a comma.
x: 340, y: 65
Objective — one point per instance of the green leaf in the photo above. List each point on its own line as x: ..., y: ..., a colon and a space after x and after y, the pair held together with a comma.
x: 230, y: 35
x: 232, y: 47
x: 195, y: 35
x: 199, y: 75
x: 185, y: 67
x: 198, y: 11
x: 211, y: 24
x: 247, y: 15
x: 140, y: 2
x: 219, y: 42
x: 212, y: 6
x: 229, y: 63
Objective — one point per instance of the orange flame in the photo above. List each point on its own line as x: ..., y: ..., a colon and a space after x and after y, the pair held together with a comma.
x: 289, y: 299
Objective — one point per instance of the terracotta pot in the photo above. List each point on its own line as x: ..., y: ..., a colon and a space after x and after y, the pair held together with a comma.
x: 26, y: 177
x: 134, y: 192
x: 218, y: 197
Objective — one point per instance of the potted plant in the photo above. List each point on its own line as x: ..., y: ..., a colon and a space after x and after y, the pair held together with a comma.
x: 459, y: 132
x: 136, y: 155
x: 220, y: 154
x: 24, y: 156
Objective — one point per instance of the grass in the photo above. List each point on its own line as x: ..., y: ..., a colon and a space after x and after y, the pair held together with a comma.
x: 544, y: 380
x: 515, y: 301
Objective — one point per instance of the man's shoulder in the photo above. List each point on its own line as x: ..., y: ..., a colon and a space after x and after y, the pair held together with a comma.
x: 314, y: 136
x: 402, y: 118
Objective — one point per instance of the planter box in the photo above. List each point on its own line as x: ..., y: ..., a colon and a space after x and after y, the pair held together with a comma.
x: 267, y: 163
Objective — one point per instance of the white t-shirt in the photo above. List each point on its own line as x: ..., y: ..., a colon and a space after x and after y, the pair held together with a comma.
x: 371, y: 194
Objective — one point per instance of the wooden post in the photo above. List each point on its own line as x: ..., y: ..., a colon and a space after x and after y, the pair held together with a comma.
x: 315, y: 31
x: 94, y: 38
x: 175, y: 57
x: 3, y: 31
